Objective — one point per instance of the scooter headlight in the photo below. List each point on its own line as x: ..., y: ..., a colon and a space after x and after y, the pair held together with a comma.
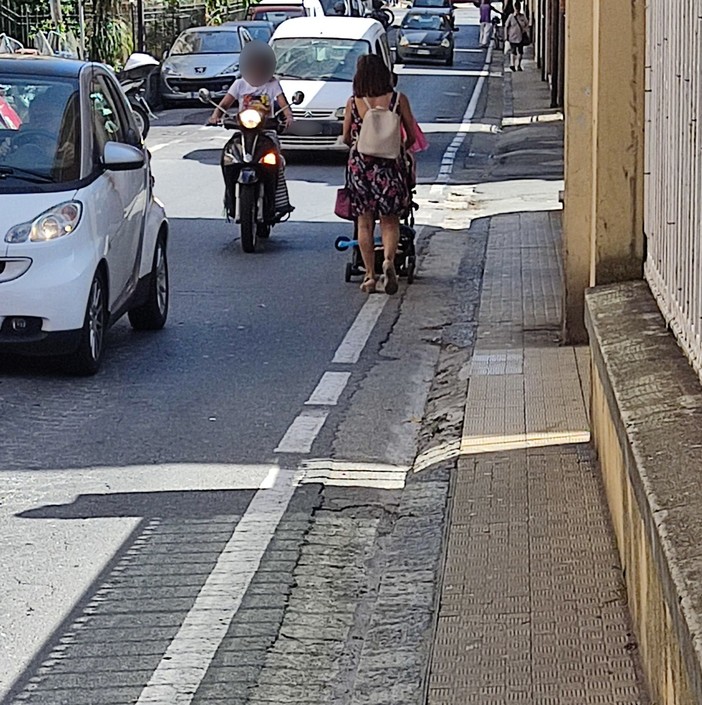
x: 56, y: 222
x: 250, y: 118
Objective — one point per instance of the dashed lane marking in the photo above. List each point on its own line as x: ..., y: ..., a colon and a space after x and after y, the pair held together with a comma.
x: 329, y: 389
x: 357, y: 336
x: 303, y: 431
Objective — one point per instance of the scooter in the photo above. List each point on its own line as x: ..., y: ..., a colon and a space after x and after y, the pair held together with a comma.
x: 251, y: 166
x: 382, y: 14
x: 133, y: 78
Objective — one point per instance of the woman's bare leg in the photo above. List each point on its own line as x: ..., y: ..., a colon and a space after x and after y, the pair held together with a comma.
x: 390, y: 229
x: 366, y: 226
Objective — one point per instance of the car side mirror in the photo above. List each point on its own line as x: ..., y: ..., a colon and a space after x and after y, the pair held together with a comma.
x: 298, y: 98
x: 122, y: 157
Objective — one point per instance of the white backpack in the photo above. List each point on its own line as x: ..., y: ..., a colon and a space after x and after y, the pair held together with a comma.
x: 380, y: 131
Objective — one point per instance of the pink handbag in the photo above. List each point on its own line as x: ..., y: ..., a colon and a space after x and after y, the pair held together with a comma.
x: 342, y: 209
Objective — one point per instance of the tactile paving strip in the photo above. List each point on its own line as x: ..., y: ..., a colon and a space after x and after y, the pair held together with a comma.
x: 532, y: 609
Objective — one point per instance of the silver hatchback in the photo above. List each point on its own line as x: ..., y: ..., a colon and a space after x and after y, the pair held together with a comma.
x: 202, y: 57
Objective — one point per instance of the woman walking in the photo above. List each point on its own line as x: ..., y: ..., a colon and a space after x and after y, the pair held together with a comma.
x: 516, y: 31
x: 379, y: 185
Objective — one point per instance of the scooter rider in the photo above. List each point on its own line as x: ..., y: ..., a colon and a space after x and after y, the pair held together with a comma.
x: 258, y: 88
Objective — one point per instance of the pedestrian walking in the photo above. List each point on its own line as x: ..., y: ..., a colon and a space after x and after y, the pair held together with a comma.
x: 517, y: 34
x: 485, y: 22
x: 378, y: 170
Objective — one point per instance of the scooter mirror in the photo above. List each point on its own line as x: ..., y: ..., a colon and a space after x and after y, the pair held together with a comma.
x: 204, y: 96
x: 298, y: 98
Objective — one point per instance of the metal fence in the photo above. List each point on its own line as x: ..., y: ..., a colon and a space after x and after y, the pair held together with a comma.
x: 673, y: 171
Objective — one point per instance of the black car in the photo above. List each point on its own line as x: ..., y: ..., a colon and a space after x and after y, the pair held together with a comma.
x: 443, y: 6
x: 425, y: 35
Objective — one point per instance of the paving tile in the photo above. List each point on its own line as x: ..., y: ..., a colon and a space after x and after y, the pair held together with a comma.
x: 530, y: 551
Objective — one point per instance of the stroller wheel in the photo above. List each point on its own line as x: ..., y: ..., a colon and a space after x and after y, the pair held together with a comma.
x: 349, y: 272
x: 340, y: 242
x: 411, y: 266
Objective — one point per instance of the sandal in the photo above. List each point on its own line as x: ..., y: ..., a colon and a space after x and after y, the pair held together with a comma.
x: 390, y: 277
x: 368, y: 286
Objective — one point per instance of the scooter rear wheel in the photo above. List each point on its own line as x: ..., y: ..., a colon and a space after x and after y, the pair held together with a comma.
x: 247, y: 213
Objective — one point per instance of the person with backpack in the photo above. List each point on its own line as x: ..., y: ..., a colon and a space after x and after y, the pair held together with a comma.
x: 518, y: 36
x: 378, y: 172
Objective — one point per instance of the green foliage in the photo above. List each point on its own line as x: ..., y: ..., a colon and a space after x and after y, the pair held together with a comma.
x: 111, y: 41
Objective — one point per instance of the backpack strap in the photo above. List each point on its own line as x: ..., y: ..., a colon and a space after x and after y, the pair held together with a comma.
x: 394, y: 102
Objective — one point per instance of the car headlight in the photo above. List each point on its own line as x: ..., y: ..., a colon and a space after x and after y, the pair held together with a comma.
x: 56, y: 222
x: 250, y: 118
x: 445, y: 43
x: 403, y: 41
x: 168, y: 70
x: 340, y: 113
x: 234, y: 68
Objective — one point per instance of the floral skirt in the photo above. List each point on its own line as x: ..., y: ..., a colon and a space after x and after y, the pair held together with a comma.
x: 381, y: 186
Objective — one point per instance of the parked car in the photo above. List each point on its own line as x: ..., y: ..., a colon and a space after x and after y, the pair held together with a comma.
x: 425, y: 35
x: 317, y: 56
x: 202, y: 57
x: 443, y: 6
x: 82, y: 237
x: 259, y: 30
x: 275, y: 14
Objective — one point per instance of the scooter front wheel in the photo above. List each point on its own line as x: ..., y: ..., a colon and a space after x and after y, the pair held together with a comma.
x: 248, y: 198
x: 142, y: 119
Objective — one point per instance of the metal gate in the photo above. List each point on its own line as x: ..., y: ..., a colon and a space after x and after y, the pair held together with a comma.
x: 673, y: 168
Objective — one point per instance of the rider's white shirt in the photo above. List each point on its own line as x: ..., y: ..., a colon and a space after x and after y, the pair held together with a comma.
x: 245, y: 94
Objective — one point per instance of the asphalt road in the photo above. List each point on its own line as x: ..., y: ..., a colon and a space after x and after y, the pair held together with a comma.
x: 174, y: 439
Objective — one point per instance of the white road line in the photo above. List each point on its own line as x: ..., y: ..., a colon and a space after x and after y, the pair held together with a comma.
x: 357, y: 336
x: 188, y: 657
x: 329, y: 389
x: 449, y: 157
x: 162, y: 145
x: 303, y: 431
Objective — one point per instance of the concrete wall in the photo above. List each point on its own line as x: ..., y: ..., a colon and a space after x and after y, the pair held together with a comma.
x: 650, y: 452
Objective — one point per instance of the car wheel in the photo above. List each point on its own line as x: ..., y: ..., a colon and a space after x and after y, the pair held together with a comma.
x: 152, y: 314
x: 88, y: 356
x: 449, y: 61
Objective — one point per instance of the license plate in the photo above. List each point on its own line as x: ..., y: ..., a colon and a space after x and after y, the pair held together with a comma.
x: 423, y: 52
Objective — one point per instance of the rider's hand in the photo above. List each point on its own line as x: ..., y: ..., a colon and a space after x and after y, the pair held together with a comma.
x: 214, y: 119
x: 289, y: 119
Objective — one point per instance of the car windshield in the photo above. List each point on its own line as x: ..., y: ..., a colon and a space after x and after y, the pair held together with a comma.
x: 39, y: 130
x: 259, y: 33
x: 204, y: 42
x: 318, y: 59
x: 277, y: 17
x: 426, y: 22
x: 430, y: 3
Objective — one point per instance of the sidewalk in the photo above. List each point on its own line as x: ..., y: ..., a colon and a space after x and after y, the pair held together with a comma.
x: 533, y: 608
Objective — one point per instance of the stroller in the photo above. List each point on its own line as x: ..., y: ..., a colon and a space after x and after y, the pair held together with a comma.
x: 405, y: 257
x: 498, y: 34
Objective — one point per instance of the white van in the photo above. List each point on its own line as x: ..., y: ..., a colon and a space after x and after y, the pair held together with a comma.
x: 317, y: 56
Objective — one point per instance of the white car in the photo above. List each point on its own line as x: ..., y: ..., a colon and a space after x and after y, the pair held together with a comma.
x: 316, y: 57
x: 82, y: 237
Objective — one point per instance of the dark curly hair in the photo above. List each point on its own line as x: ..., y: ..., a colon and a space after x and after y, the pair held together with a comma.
x: 373, y: 77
